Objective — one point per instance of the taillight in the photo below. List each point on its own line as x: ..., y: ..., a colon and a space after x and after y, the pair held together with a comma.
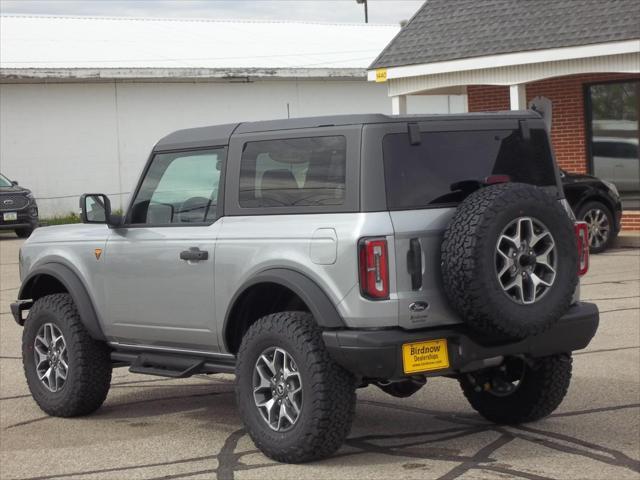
x: 582, y: 240
x: 374, y: 268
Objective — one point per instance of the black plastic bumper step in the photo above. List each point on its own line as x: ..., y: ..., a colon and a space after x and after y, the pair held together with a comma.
x: 166, y: 365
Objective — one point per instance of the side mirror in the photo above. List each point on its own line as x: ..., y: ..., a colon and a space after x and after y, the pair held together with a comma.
x: 96, y: 208
x: 14, y: 182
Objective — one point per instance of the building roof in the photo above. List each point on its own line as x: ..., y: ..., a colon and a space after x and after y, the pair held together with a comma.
x: 444, y: 30
x: 49, y: 43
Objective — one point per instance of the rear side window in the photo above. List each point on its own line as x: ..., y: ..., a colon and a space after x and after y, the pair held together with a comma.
x: 293, y: 172
x: 440, y: 169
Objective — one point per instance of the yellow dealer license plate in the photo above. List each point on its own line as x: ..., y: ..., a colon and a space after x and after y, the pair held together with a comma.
x: 425, y: 356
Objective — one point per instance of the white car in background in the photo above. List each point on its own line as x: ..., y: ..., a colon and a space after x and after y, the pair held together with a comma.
x: 616, y: 159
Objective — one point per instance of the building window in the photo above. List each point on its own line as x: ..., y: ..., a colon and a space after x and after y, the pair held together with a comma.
x: 612, y: 119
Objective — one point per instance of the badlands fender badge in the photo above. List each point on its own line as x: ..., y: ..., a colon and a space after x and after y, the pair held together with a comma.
x: 97, y: 252
x: 418, y: 306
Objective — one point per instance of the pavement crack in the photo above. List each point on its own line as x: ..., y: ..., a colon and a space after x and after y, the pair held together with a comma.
x: 611, y: 457
x: 595, y: 410
x: 611, y: 281
x: 481, y: 456
x: 228, y: 461
x: 602, y: 350
x: 619, y: 310
x: 609, y: 298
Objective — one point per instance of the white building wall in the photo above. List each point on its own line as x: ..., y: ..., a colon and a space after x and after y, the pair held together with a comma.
x: 64, y: 139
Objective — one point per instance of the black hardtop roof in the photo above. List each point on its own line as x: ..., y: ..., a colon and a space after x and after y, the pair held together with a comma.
x: 219, y: 134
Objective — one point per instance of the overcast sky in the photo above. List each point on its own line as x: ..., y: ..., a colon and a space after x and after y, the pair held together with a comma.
x: 380, y: 11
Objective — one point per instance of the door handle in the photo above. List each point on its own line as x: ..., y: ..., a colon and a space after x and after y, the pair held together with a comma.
x: 195, y: 254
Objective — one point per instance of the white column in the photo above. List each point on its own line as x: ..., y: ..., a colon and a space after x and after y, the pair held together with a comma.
x: 399, y: 105
x: 518, y: 96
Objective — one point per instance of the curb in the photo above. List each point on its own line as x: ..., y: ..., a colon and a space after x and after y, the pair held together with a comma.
x: 627, y: 240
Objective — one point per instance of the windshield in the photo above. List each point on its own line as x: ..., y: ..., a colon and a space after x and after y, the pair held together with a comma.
x: 4, y: 181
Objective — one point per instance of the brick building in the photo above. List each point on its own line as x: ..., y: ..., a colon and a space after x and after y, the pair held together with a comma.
x: 580, y: 59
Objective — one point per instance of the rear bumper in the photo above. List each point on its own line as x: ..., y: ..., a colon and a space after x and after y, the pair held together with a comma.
x: 378, y: 353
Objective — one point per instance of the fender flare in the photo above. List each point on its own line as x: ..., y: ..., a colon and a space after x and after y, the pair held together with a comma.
x: 76, y: 289
x: 322, y: 308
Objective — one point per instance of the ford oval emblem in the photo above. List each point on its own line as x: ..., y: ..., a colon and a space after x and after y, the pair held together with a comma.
x: 8, y: 202
x: 418, y: 306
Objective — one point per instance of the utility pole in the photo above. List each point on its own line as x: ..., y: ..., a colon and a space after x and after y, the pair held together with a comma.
x: 366, y: 10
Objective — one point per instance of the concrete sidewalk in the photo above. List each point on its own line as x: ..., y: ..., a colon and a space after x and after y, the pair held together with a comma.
x: 628, y: 240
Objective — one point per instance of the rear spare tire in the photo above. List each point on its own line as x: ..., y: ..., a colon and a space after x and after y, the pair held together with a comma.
x: 509, y: 260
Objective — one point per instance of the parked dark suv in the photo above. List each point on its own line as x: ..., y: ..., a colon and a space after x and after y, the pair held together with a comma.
x: 18, y: 209
x: 596, y: 202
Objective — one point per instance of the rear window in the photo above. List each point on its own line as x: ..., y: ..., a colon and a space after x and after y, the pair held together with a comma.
x: 293, y: 172
x: 430, y: 174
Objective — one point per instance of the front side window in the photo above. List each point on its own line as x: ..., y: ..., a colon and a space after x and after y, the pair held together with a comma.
x: 179, y: 188
x: 293, y: 172
x: 612, y: 116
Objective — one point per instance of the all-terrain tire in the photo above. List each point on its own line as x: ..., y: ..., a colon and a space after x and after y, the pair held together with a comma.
x: 542, y: 389
x: 328, y: 390
x: 469, y: 268
x: 89, y: 364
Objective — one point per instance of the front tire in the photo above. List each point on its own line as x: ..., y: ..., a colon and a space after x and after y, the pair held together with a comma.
x: 68, y: 372
x: 541, y: 386
x: 296, y: 402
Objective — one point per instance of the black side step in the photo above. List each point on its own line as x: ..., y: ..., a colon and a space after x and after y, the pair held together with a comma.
x: 173, y: 366
x: 166, y: 366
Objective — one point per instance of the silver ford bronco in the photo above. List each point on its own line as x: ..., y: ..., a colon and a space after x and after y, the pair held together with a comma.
x: 315, y: 256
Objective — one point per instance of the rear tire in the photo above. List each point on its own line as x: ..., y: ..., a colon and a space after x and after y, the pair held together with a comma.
x: 543, y: 386
x: 601, y: 227
x: 86, y: 363
x: 327, y: 391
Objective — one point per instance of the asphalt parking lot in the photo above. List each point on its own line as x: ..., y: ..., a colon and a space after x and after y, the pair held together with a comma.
x: 154, y: 428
